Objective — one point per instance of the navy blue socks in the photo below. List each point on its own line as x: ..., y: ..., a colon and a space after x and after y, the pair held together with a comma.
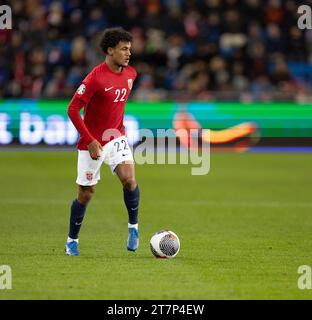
x: 131, y: 199
x: 76, y: 216
x: 78, y: 210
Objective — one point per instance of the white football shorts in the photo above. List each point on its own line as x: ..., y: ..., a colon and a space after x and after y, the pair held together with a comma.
x: 113, y: 153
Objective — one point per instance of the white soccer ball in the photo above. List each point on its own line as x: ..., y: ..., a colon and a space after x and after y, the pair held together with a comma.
x: 165, y: 244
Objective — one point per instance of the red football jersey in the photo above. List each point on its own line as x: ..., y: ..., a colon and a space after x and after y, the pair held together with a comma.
x: 103, y: 94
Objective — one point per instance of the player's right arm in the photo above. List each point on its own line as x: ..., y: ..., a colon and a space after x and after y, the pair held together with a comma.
x: 81, y: 99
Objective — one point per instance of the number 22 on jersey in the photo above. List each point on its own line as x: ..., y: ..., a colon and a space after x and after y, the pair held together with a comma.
x: 120, y: 94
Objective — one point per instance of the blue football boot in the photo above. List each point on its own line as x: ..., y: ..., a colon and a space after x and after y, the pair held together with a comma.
x: 71, y: 248
x: 133, y: 239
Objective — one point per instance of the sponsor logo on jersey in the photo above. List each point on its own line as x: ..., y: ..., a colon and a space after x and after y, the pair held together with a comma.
x: 81, y: 89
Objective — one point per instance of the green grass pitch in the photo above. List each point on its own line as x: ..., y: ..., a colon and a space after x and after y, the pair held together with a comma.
x: 244, y: 228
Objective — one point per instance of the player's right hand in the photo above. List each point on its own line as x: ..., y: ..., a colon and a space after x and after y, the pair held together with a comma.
x: 95, y: 149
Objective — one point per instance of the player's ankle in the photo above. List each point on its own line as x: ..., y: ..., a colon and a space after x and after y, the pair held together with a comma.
x: 136, y: 225
x: 69, y: 239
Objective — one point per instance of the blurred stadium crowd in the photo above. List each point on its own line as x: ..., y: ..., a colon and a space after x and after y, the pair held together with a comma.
x: 246, y: 50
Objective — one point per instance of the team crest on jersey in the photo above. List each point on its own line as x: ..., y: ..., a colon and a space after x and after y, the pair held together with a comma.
x: 81, y: 89
x: 89, y: 175
x: 130, y: 82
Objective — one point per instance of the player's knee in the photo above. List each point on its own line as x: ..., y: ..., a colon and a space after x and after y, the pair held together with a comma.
x: 129, y: 183
x: 85, y: 194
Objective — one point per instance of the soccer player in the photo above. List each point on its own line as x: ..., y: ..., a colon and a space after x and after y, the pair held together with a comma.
x: 103, y: 95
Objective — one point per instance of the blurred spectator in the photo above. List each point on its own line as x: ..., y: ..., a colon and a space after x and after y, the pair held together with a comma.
x: 280, y: 71
x: 274, y: 13
x: 56, y: 87
x: 274, y: 38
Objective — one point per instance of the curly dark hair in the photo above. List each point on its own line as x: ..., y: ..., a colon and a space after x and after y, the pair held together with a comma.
x: 112, y: 36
